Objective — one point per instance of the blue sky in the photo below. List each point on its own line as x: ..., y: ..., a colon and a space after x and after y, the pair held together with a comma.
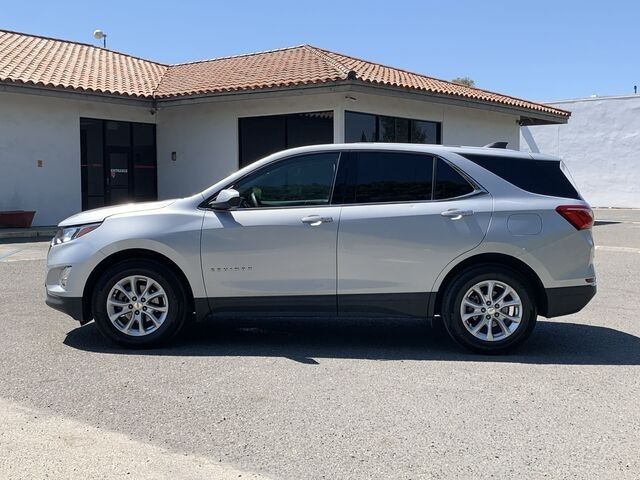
x: 540, y: 50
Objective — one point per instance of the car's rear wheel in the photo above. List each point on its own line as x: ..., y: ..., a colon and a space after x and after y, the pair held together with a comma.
x: 489, y: 309
x: 139, y: 303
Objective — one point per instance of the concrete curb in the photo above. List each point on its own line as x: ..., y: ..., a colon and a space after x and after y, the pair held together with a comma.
x: 19, y: 233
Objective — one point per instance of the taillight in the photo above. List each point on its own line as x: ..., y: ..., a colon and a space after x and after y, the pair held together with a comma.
x: 579, y: 216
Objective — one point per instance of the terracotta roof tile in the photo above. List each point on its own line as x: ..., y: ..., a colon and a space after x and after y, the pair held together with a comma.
x: 54, y: 63
x: 384, y: 75
x: 277, y: 68
x: 48, y: 62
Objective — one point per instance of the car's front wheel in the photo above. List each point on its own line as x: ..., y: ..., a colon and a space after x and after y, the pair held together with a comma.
x: 489, y: 309
x: 139, y: 303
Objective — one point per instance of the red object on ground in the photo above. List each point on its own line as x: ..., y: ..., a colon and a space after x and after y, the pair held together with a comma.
x: 17, y: 218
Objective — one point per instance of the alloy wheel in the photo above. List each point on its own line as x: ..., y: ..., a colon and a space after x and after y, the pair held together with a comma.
x: 137, y: 305
x: 491, y: 310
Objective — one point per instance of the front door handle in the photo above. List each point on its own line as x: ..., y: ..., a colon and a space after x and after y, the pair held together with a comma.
x: 315, y: 220
x: 455, y: 214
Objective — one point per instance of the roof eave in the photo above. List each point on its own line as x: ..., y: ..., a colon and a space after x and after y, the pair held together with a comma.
x: 74, y: 93
x: 526, y: 115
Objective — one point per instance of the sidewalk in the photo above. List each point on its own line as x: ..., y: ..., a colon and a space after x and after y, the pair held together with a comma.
x: 42, y: 233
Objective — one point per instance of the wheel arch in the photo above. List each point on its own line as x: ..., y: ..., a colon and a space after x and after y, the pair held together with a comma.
x: 131, y: 254
x: 539, y: 292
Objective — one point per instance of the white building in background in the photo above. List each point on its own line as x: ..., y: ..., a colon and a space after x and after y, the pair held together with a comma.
x: 600, y: 144
x: 83, y: 127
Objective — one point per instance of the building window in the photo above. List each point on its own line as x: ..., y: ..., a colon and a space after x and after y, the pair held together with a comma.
x: 117, y: 162
x: 366, y: 127
x: 262, y: 136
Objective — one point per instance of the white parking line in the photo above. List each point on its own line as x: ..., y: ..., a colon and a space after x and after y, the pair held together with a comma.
x: 607, y: 248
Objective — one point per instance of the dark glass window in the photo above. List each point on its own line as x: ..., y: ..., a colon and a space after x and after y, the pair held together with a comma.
x: 144, y: 161
x: 262, y: 136
x: 117, y: 162
x: 544, y: 177
x: 309, y: 129
x: 92, y: 163
x: 449, y: 183
x: 389, y: 177
x: 360, y: 127
x: 392, y: 129
x: 365, y: 127
x: 424, y: 132
x: 302, y: 180
x: 117, y: 134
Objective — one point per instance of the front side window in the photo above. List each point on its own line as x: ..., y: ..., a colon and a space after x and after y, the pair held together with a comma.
x: 298, y: 181
x: 389, y: 177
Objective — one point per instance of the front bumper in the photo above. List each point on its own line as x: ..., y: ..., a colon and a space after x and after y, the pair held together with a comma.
x: 568, y: 300
x: 72, y: 306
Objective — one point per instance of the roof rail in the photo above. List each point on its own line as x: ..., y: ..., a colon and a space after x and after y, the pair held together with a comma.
x: 496, y: 145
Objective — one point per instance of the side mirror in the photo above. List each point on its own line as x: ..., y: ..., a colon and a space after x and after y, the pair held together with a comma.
x: 226, y: 200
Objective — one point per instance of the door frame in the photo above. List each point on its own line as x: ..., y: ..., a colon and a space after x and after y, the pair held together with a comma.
x: 129, y: 150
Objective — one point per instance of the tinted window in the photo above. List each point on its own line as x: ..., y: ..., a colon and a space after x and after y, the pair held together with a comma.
x: 117, y: 134
x: 389, y: 177
x: 262, y: 136
x: 118, y: 162
x: 360, y: 127
x: 544, y: 177
x: 303, y: 180
x: 449, y: 183
x: 392, y: 129
x: 144, y: 161
x: 424, y: 132
x: 309, y: 129
x: 366, y: 127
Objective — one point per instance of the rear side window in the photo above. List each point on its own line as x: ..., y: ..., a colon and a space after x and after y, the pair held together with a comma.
x: 544, y: 177
x: 389, y: 177
x: 449, y: 183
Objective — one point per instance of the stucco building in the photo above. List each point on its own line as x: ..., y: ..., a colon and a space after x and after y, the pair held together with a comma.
x: 82, y: 127
x: 600, y: 145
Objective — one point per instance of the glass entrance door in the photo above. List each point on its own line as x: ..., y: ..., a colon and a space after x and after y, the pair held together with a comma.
x: 118, y: 184
x: 118, y: 162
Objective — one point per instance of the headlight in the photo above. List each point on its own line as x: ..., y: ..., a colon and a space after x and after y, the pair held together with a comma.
x: 67, y: 234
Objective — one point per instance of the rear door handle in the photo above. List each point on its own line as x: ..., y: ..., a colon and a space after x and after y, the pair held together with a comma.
x: 315, y: 220
x: 455, y: 214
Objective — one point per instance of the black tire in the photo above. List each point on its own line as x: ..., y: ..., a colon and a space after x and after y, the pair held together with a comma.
x: 175, y: 294
x: 454, y: 296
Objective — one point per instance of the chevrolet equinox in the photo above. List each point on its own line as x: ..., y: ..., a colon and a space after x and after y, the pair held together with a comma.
x: 486, y: 239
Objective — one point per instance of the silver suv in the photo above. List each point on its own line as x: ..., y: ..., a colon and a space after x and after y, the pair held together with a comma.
x: 486, y: 239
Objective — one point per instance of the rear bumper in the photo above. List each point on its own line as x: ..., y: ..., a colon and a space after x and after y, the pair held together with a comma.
x: 72, y: 306
x: 568, y: 300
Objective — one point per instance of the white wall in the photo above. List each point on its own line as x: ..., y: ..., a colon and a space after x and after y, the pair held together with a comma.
x: 205, y: 136
x: 35, y: 127
x: 600, y: 145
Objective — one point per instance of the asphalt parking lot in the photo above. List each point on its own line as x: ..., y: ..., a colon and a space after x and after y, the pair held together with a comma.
x: 324, y: 398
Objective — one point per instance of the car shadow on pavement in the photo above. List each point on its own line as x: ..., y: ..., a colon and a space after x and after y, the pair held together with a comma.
x: 310, y: 340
